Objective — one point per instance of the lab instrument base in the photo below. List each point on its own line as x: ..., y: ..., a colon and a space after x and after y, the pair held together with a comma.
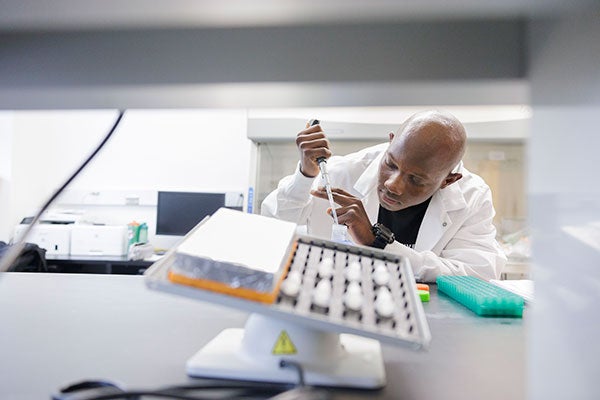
x: 348, y: 361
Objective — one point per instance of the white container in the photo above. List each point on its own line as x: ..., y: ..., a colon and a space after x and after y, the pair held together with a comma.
x: 99, y: 240
x: 55, y: 238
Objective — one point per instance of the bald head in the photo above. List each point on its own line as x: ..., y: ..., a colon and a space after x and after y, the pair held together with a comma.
x: 435, y: 137
x: 420, y: 159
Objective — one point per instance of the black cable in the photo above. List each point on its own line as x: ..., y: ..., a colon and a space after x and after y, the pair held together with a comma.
x: 233, y: 391
x: 137, y: 393
x: 77, y: 391
x: 240, y: 389
x: 16, y: 248
x: 168, y: 394
x: 233, y: 385
x: 295, y: 365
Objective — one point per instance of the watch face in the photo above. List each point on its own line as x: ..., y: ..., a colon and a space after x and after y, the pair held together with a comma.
x: 383, y: 233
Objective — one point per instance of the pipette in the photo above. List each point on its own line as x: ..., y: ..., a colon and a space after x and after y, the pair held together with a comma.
x: 323, y: 167
x: 322, y: 161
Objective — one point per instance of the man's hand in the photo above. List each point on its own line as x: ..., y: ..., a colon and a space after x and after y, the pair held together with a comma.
x: 351, y: 213
x: 312, y: 144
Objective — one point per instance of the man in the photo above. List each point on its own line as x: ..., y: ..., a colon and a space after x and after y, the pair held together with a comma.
x: 415, y: 188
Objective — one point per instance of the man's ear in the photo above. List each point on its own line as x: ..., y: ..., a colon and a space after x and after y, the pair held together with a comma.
x: 450, y: 179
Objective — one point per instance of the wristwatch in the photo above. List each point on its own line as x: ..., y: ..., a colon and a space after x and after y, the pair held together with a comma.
x: 383, y: 236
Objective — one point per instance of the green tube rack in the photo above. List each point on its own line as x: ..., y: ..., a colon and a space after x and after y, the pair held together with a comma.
x: 481, y: 297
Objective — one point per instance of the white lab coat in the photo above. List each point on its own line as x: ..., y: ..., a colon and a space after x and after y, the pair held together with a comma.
x: 456, y: 237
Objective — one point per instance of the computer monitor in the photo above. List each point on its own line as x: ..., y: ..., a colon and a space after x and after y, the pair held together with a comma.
x: 178, y: 212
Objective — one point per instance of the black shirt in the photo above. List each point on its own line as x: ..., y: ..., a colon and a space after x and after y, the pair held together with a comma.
x: 404, y: 223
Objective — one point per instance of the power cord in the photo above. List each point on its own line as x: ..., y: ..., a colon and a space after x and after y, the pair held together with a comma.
x: 106, y: 390
x: 295, y: 365
x: 15, y: 250
x: 301, y: 391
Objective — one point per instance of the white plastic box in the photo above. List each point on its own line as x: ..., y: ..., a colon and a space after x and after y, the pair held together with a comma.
x: 99, y: 240
x: 55, y: 238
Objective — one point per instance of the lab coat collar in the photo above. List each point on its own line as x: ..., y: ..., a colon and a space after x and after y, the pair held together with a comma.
x: 451, y: 198
x: 367, y: 182
x: 438, y: 217
x: 366, y: 188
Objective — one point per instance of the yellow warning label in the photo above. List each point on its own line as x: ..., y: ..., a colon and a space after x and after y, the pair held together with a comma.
x: 284, y: 345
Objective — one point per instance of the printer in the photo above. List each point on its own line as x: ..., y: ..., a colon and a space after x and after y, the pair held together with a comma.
x: 99, y: 240
x: 64, y: 234
x: 53, y: 232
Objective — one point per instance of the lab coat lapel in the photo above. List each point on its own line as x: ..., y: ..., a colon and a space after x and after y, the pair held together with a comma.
x: 438, y: 217
x: 366, y: 189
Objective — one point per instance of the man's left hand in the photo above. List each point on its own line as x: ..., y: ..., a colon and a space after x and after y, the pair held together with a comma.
x: 351, y: 213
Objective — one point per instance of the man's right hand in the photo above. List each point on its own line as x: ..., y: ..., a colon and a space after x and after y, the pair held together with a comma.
x: 312, y: 144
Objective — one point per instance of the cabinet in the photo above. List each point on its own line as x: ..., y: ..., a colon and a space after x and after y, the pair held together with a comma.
x: 96, y: 265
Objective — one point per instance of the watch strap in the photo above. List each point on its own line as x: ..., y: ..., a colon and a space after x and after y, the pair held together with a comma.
x: 379, y: 242
x: 383, y: 236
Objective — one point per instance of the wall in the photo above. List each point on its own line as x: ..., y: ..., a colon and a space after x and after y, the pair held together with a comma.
x: 503, y: 165
x: 151, y: 150
x: 47, y: 147
x: 409, y: 63
x: 6, y: 129
x: 565, y: 206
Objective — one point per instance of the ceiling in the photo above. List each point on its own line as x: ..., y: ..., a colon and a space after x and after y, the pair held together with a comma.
x: 395, y: 115
x: 31, y: 15
x: 267, y: 53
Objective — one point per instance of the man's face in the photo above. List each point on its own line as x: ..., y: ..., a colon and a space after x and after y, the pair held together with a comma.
x: 408, y: 176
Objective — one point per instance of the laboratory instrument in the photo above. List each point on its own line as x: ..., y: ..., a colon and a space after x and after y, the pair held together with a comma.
x: 339, y: 233
x: 322, y: 161
x: 330, y: 324
x: 481, y: 297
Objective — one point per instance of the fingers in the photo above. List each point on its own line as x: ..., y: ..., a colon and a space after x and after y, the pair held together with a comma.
x: 312, y: 137
x: 312, y: 144
x: 314, y: 148
x: 346, y: 215
x: 351, y: 213
x: 357, y: 221
x: 340, y: 196
x: 351, y: 209
x: 316, y: 140
x: 315, y: 130
x: 342, y: 193
x: 320, y: 192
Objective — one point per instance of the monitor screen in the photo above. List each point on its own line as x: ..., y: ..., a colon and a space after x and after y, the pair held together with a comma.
x: 178, y: 212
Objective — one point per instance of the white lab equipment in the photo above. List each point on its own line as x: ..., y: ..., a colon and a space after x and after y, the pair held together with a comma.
x: 325, y: 268
x: 353, y: 271
x: 330, y: 326
x: 98, y: 240
x: 323, y: 167
x: 384, y: 304
x: 353, y: 298
x: 52, y: 233
x: 322, y: 293
x: 291, y: 285
x: 55, y: 238
x: 381, y: 275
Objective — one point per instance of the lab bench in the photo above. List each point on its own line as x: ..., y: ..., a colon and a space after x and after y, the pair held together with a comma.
x: 77, y: 326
